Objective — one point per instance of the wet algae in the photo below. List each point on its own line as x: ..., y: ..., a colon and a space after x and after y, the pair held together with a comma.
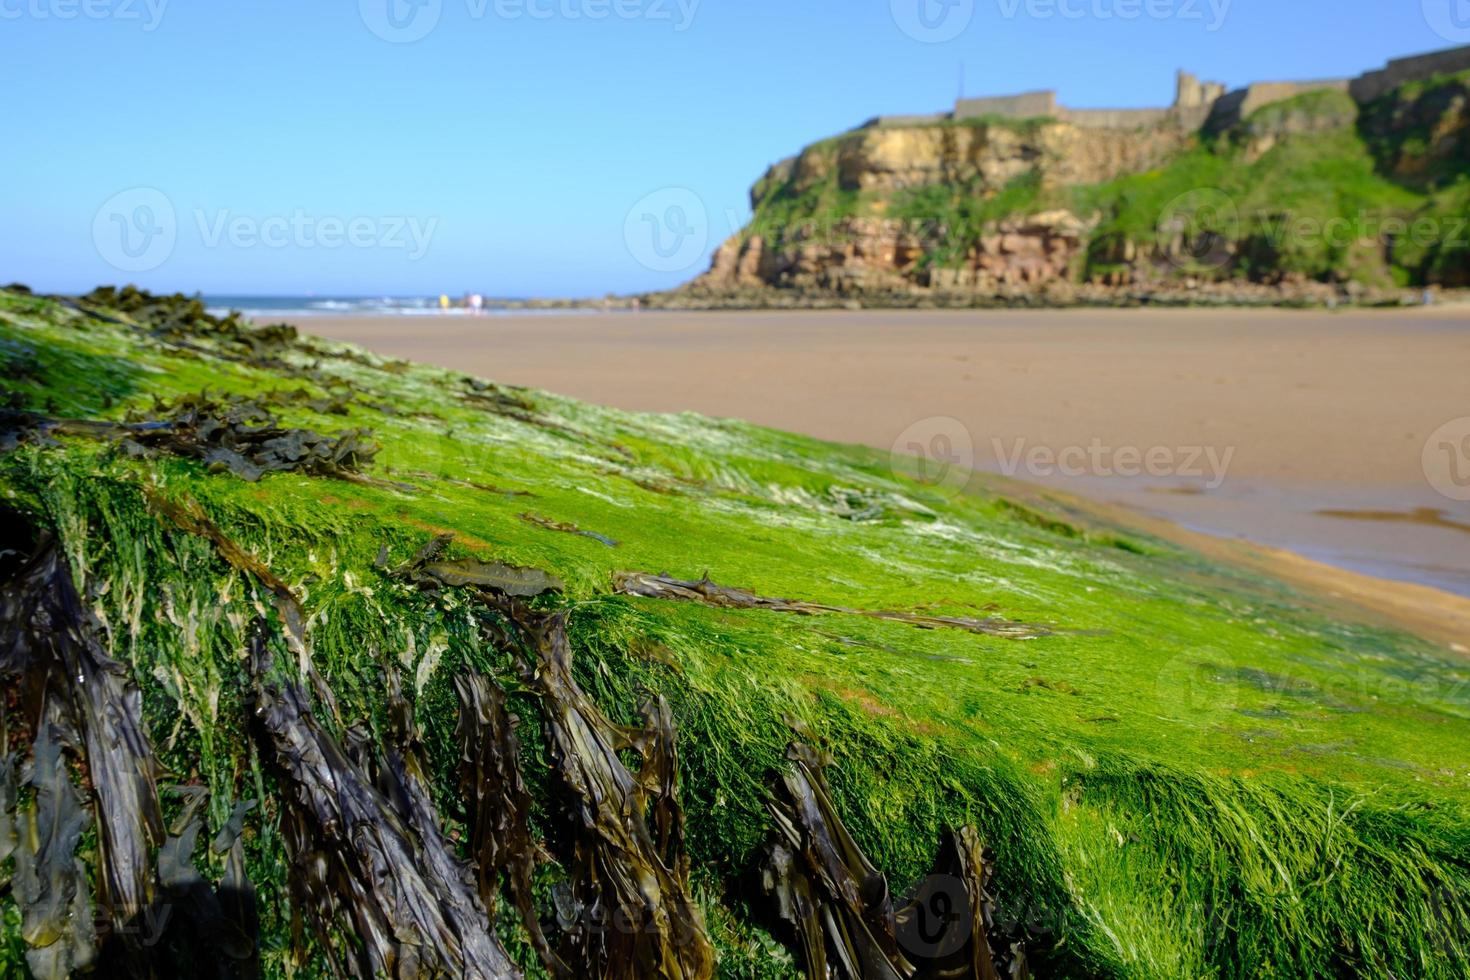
x: 293, y: 689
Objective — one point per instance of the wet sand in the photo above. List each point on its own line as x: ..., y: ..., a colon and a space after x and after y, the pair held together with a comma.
x: 1299, y: 430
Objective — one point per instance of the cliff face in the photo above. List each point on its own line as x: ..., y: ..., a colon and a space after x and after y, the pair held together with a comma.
x: 824, y: 217
x: 983, y: 156
x: 857, y: 255
x: 1299, y: 192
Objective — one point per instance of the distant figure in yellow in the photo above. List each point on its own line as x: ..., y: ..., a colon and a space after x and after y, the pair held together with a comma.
x: 443, y: 301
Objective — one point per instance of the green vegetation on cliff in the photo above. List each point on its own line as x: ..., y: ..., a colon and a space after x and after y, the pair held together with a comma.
x: 1182, y: 770
x: 1313, y: 187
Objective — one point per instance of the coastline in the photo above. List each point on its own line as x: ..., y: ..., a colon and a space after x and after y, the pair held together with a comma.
x: 1324, y: 412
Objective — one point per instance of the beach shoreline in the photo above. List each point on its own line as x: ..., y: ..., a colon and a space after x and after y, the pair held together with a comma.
x: 1300, y: 431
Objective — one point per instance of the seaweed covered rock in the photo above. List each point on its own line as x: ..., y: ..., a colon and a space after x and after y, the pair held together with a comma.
x: 371, y: 713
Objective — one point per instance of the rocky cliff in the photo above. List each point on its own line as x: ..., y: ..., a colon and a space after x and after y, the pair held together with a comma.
x: 1306, y: 195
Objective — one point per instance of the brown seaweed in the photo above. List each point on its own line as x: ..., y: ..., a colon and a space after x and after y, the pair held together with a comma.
x: 370, y: 851
x: 707, y: 592
x: 429, y: 571
x: 233, y: 434
x: 50, y: 646
x: 185, y: 324
x: 949, y: 926
x: 524, y: 583
x: 499, y: 806
x: 84, y: 702
x: 242, y: 436
x: 633, y: 913
x: 208, y: 932
x: 854, y: 904
x: 566, y: 528
x: 50, y: 881
x: 630, y: 912
x: 360, y: 827
x: 837, y: 905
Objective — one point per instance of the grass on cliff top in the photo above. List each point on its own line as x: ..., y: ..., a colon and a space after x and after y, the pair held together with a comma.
x: 1197, y: 775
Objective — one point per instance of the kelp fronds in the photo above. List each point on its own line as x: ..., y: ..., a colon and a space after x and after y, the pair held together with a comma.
x: 838, y: 907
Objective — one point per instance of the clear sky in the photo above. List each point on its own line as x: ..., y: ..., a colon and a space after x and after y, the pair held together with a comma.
x: 292, y: 146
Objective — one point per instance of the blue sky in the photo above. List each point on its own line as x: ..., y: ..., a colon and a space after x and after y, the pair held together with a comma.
x: 286, y: 146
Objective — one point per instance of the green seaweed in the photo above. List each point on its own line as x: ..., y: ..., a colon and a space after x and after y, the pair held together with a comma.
x: 1217, y: 778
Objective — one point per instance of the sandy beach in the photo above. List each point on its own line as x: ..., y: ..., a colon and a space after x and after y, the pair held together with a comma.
x: 1304, y: 431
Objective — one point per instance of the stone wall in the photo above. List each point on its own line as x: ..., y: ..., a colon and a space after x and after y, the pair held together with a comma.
x: 1115, y: 118
x: 1196, y: 102
x: 1376, y: 84
x: 1238, y: 105
x: 1027, y: 105
x: 1191, y: 93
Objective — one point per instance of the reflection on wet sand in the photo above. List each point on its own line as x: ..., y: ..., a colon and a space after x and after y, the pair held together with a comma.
x: 1423, y: 516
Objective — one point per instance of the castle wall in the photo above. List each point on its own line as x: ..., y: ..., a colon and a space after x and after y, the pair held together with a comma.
x: 1197, y: 102
x: 1376, y: 84
x: 1263, y: 94
x: 1027, y: 105
x: 1115, y: 118
x: 1238, y: 105
x: 1192, y: 93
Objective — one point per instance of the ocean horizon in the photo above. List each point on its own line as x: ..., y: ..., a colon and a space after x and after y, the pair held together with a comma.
x: 312, y: 305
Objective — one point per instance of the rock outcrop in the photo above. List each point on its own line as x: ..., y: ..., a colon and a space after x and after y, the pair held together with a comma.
x: 864, y: 255
x: 988, y: 156
x: 831, y: 251
x: 996, y: 209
